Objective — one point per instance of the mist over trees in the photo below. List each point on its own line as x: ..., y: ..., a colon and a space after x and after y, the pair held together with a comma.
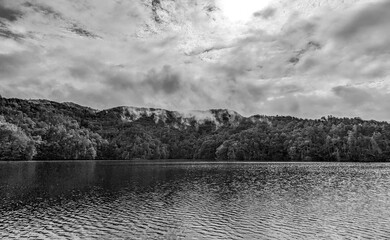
x: 46, y: 130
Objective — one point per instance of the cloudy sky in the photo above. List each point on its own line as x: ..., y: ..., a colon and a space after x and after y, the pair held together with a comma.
x: 286, y: 57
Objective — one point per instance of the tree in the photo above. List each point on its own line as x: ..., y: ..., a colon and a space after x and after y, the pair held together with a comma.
x: 14, y: 143
x: 135, y: 143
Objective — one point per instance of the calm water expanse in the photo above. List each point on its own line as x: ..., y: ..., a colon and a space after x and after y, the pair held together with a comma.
x: 122, y: 200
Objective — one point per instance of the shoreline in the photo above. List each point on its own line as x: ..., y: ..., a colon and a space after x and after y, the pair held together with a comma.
x: 185, y: 161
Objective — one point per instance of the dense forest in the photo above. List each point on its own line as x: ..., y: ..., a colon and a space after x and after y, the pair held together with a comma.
x: 46, y: 130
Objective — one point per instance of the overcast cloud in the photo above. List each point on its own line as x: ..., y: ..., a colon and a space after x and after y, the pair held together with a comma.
x: 289, y: 58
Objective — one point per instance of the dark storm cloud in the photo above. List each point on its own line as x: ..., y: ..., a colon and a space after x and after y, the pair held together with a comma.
x: 84, y: 69
x: 11, y: 64
x: 255, y: 92
x: 121, y: 82
x: 81, y: 31
x: 366, y: 21
x: 165, y: 80
x: 8, y: 13
x: 265, y: 13
x: 7, y: 33
x: 353, y: 95
x: 79, y: 72
x: 46, y: 10
x: 365, y: 33
x: 355, y: 43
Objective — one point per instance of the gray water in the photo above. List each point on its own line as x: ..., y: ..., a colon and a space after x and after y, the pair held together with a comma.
x: 122, y: 200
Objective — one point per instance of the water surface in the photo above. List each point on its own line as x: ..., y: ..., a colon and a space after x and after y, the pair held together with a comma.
x: 123, y: 200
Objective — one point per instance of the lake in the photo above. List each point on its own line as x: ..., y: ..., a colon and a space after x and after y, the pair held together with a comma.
x: 127, y: 200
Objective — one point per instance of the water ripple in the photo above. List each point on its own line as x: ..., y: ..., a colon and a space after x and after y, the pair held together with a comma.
x: 200, y: 201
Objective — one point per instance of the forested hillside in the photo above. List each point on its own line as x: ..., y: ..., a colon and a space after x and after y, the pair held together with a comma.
x: 46, y: 130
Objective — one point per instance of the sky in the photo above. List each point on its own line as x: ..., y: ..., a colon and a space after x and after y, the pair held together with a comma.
x: 275, y: 57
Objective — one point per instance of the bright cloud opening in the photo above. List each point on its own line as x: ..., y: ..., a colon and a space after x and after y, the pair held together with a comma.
x: 242, y: 10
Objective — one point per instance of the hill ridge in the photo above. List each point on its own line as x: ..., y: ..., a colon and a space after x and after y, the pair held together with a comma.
x: 48, y: 130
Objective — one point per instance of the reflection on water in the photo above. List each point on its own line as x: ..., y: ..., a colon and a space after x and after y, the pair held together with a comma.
x: 122, y: 200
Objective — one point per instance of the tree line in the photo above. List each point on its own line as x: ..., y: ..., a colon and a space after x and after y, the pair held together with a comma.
x: 46, y: 130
